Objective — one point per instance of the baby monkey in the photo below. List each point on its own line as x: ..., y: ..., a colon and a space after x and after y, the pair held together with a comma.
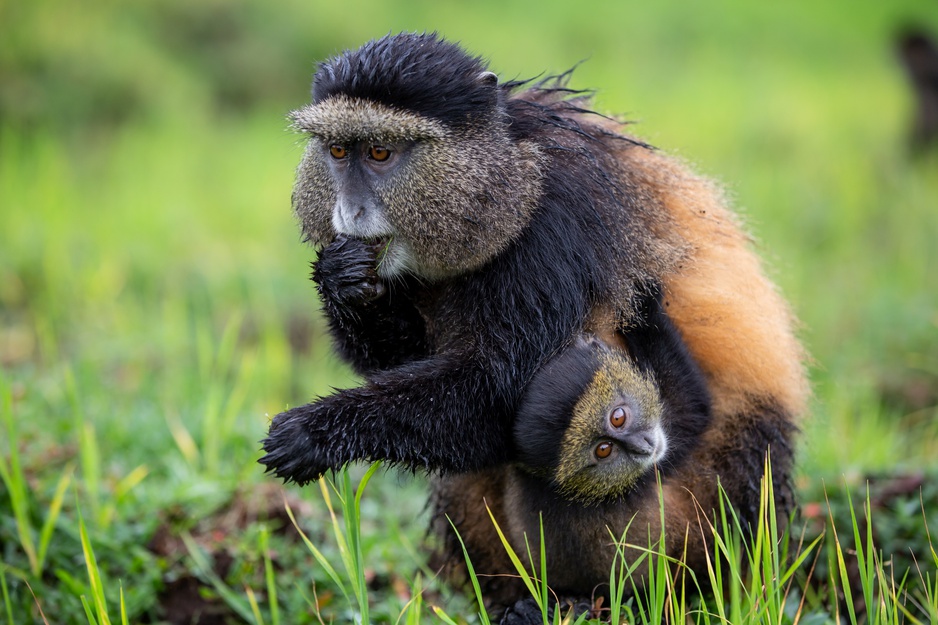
x: 592, y: 426
x: 602, y: 414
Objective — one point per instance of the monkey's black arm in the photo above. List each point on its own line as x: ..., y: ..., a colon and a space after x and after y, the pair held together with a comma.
x: 655, y: 344
x: 453, y: 410
x: 375, y: 326
x: 441, y: 413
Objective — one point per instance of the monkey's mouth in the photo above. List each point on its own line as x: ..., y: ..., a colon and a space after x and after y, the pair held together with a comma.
x: 381, y: 246
x: 378, y: 241
x: 383, y: 250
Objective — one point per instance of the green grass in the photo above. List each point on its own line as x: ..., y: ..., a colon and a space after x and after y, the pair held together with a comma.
x: 155, y: 308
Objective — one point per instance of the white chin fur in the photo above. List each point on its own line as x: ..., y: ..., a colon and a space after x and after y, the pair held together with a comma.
x: 396, y: 260
x: 661, y: 446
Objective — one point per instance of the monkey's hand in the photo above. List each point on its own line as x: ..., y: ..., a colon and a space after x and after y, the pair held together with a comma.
x: 375, y: 325
x: 346, y: 272
x: 296, y: 445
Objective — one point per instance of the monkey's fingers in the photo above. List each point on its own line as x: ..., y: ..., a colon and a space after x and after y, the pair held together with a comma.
x: 294, y: 453
x: 346, y: 272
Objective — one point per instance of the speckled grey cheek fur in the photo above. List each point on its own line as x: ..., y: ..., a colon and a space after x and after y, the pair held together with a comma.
x: 463, y: 199
x: 314, y: 195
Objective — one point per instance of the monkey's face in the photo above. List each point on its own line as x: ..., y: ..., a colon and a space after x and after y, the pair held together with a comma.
x: 615, y: 434
x: 443, y: 200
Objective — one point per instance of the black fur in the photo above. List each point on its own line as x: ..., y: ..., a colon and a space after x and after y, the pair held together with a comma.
x: 547, y: 407
x: 425, y: 75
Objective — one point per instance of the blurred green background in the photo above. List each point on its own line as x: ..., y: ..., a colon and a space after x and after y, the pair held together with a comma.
x: 154, y: 302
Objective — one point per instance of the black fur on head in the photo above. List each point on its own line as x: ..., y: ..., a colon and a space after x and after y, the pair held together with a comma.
x: 417, y: 72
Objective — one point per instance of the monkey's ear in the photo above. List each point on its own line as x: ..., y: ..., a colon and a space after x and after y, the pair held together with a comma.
x: 488, y: 78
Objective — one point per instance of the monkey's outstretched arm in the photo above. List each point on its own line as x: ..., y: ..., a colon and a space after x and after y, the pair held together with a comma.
x: 441, y: 413
x: 374, y: 325
x: 452, y: 412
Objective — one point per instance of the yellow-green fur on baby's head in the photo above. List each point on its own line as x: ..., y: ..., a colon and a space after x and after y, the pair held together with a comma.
x: 615, y: 379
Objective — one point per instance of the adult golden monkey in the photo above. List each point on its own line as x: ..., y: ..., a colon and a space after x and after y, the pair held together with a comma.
x: 469, y: 230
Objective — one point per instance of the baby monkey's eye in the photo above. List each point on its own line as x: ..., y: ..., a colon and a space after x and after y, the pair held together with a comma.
x: 379, y: 153
x: 619, y: 416
x: 603, y: 450
x: 337, y: 151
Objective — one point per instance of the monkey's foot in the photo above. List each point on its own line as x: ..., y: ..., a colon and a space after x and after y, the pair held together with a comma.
x: 528, y: 611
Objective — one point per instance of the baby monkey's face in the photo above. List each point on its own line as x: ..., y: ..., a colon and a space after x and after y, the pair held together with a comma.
x: 615, y: 434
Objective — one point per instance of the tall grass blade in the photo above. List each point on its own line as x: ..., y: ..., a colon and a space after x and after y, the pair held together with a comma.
x: 841, y: 568
x: 443, y: 616
x: 255, y: 608
x: 12, y: 475
x: 515, y: 560
x: 353, y: 524
x: 340, y: 539
x: 129, y: 481
x: 7, y: 603
x: 864, y: 553
x: 269, y: 578
x: 183, y: 439
x: 94, y: 574
x: 347, y: 534
x: 88, y: 613
x: 620, y: 573
x: 55, y: 507
x: 545, y: 599
x: 483, y: 615
x: 414, y: 606
x: 123, y: 607
x: 89, y: 454
x: 317, y: 554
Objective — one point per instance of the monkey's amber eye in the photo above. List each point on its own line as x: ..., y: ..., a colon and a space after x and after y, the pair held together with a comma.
x: 618, y: 417
x: 603, y: 450
x: 337, y: 151
x: 379, y: 153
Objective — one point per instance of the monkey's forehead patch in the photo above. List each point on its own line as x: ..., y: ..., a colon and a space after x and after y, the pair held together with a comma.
x: 341, y: 118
